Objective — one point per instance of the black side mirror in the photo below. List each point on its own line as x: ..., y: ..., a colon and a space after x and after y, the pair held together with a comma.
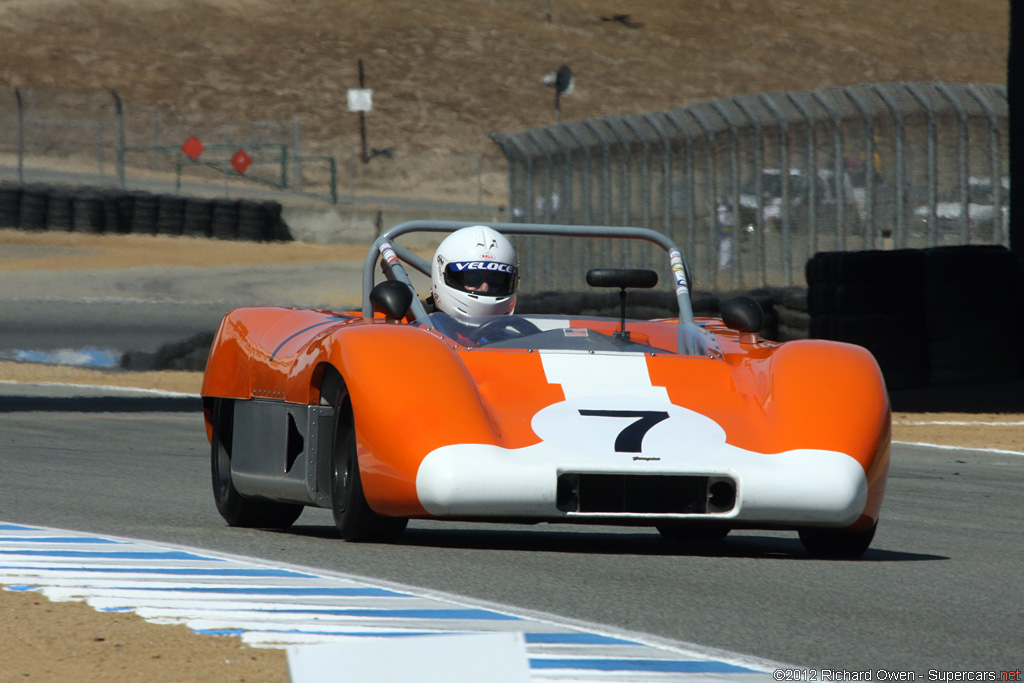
x: 622, y: 278
x: 745, y: 315
x: 392, y: 298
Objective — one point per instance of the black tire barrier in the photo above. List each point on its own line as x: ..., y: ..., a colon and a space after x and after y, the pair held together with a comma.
x: 279, y: 231
x: 112, y: 217
x: 10, y: 205
x: 866, y: 329
x: 793, y: 298
x: 874, y: 267
x: 828, y: 298
x: 198, y: 218
x: 125, y: 212
x: 224, y: 219
x: 253, y: 221
x: 103, y: 210
x: 187, y: 354
x: 88, y: 210
x: 975, y: 263
x: 32, y: 211
x: 955, y: 309
x: 792, y: 319
x: 786, y: 333
x: 170, y: 215
x: 60, y: 212
x: 145, y: 208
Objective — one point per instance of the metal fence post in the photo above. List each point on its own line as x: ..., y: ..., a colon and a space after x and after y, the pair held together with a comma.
x: 755, y: 122
x: 570, y: 128
x: 297, y: 155
x: 666, y: 170
x: 567, y: 202
x: 31, y: 121
x: 734, y: 194
x: 645, y: 171
x: 501, y: 141
x: 606, y: 190
x: 691, y: 198
x: 783, y: 125
x: 838, y: 167
x: 21, y: 136
x: 995, y: 155
x: 527, y: 212
x: 712, y: 195
x: 869, y: 163
x: 333, y: 166
x: 119, y: 109
x: 549, y: 200
x: 933, y: 162
x: 896, y: 113
x: 961, y: 158
x: 811, y: 175
x: 621, y: 137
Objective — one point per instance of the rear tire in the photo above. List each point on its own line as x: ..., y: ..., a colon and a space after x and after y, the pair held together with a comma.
x: 233, y: 507
x: 355, y: 520
x: 836, y: 544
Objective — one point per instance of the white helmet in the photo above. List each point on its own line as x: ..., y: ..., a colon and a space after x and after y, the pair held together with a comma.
x: 475, y: 273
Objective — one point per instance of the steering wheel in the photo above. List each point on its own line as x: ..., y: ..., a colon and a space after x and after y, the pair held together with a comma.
x: 502, y: 325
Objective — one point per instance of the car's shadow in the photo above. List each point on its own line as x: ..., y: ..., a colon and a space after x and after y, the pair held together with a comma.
x: 641, y: 542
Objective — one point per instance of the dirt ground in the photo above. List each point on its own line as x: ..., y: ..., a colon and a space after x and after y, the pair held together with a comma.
x: 445, y: 74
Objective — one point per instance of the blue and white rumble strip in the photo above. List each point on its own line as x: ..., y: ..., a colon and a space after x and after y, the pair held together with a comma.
x: 273, y: 605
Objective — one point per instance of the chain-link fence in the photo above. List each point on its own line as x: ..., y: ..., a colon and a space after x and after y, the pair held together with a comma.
x: 92, y: 137
x: 751, y: 187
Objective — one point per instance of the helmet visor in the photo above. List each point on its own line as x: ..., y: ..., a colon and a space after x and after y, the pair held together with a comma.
x: 485, y: 278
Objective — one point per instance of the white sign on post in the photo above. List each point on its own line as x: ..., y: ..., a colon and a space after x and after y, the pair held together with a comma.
x: 360, y: 99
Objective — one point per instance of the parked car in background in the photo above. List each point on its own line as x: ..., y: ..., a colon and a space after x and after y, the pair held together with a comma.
x: 982, y: 212
x: 827, y: 197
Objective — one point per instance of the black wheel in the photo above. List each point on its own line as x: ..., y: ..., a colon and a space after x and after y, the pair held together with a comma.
x: 839, y: 544
x: 355, y: 520
x: 694, y: 534
x: 233, y: 507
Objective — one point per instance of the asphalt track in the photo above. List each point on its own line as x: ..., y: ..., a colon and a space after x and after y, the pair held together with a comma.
x: 941, y: 588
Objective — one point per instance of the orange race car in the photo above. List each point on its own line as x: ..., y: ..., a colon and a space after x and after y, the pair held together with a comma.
x: 693, y: 426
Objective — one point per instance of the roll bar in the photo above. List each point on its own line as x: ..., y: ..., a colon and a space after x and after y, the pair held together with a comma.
x: 692, y: 339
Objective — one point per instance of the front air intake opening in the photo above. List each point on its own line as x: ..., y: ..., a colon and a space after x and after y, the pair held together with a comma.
x: 633, y: 494
x: 721, y: 495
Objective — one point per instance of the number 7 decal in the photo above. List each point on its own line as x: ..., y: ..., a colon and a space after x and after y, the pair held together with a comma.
x: 631, y: 438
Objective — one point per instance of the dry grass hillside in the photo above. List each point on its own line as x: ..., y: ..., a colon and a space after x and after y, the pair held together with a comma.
x: 447, y: 72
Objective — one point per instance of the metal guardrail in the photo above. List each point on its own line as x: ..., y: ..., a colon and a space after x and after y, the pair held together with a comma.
x: 890, y: 166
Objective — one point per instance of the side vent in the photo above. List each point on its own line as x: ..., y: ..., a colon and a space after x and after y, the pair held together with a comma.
x: 296, y: 444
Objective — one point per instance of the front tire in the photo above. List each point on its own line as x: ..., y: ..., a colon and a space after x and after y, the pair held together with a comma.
x: 836, y: 544
x: 233, y: 507
x: 355, y: 520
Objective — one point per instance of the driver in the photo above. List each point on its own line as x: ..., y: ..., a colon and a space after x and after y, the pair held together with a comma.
x: 475, y: 273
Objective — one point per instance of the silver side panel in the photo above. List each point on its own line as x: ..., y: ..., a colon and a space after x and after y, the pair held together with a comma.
x: 277, y: 448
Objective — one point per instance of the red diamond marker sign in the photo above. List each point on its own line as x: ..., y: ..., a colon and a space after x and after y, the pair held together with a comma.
x: 241, y: 161
x: 192, y: 148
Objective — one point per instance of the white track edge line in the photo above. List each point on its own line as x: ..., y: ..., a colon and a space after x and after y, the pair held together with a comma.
x: 994, y: 451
